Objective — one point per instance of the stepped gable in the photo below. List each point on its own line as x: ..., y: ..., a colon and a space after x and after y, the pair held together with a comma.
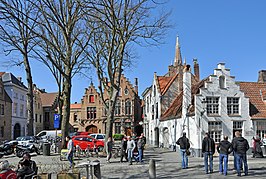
x: 256, y: 92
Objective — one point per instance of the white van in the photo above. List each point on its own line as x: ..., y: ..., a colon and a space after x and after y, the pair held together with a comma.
x: 48, y: 134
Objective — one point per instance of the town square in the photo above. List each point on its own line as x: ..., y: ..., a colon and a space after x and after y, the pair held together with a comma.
x: 132, y: 89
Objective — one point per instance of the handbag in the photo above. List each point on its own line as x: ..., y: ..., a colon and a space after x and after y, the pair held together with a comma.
x: 188, y: 152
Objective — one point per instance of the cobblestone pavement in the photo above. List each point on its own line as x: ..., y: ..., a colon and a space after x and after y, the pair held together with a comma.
x: 168, y: 165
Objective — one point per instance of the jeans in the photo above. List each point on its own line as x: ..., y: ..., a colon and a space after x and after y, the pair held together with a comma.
x: 184, y: 158
x: 208, y: 155
x: 223, y: 163
x: 70, y: 159
x: 139, y: 157
x: 130, y: 155
x: 109, y: 155
x: 239, y: 159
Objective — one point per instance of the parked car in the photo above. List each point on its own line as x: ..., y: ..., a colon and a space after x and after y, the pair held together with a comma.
x: 30, y: 142
x: 98, y: 136
x: 85, y: 141
x: 49, y: 134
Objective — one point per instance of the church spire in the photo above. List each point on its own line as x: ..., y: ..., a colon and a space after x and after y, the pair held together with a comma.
x: 178, y: 58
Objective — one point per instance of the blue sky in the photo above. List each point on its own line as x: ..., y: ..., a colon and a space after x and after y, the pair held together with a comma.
x: 213, y: 31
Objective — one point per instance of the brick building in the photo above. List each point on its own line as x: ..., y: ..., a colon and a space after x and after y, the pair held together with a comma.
x: 5, y: 114
x: 90, y: 114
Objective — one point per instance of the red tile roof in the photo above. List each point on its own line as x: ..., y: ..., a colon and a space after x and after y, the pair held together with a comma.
x: 163, y: 81
x: 175, y: 109
x: 75, y: 106
x: 48, y: 99
x: 255, y: 92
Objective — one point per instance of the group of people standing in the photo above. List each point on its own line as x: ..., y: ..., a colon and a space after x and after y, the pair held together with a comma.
x: 128, y: 145
x: 239, y: 146
x: 26, y: 168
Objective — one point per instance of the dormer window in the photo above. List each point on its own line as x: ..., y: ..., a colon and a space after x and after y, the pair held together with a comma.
x: 222, y: 82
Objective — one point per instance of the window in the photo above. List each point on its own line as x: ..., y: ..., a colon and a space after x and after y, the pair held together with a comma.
x: 156, y: 115
x: 46, y: 117
x: 15, y: 109
x: 212, y: 105
x: 152, y: 112
x: 39, y: 105
x: 40, y: 118
x: 126, y: 91
x: 128, y: 107
x: 91, y: 112
x: 232, y: 106
x: 154, y: 90
x: 22, y: 97
x: 36, y: 117
x: 117, y: 128
x: 21, y: 110
x: 91, y: 99
x: 16, y: 95
x: 222, y: 82
x: 215, y: 130
x: 2, y: 131
x: 148, y: 104
x: 118, y: 107
x: 2, y: 109
x: 75, y: 117
x: 237, y: 126
x: 261, y: 128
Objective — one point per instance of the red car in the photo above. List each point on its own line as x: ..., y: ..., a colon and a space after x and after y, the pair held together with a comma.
x: 85, y: 141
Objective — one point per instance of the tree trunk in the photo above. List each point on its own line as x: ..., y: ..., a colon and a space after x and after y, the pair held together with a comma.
x: 66, y: 108
x: 30, y: 115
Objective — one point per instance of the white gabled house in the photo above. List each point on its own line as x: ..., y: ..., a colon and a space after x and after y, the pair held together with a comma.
x: 215, y: 105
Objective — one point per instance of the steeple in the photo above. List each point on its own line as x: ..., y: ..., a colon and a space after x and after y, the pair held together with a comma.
x: 178, y: 58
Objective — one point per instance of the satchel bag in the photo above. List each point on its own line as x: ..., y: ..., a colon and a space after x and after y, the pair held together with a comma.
x: 188, y: 152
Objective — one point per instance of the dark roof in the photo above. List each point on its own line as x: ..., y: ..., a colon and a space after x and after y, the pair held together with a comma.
x: 48, y: 99
x: 10, y: 77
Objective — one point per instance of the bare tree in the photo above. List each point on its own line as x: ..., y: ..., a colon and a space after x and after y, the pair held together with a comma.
x: 16, y: 32
x: 119, y: 24
x: 61, y: 28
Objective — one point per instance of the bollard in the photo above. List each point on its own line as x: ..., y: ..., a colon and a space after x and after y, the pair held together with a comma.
x: 152, y: 169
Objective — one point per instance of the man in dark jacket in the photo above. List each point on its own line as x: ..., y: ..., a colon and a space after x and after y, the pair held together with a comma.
x: 240, y: 146
x: 208, y: 148
x: 224, y: 148
x: 184, y: 146
x: 123, y: 149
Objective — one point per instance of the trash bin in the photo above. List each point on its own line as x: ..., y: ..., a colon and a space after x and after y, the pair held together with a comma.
x: 46, y: 149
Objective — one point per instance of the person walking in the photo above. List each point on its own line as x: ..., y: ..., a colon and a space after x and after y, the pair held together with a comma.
x: 109, y: 148
x: 224, y: 148
x: 208, y: 148
x: 130, y: 148
x: 140, y: 146
x: 123, y: 149
x: 240, y: 146
x: 70, y: 151
x: 144, y: 139
x: 184, y: 147
x: 264, y: 143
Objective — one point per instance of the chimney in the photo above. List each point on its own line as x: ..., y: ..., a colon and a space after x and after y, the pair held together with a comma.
x: 262, y: 76
x: 136, y: 86
x: 187, y: 97
x: 19, y: 78
x: 196, y: 69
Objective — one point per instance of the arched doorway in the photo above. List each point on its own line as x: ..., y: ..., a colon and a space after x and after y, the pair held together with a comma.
x: 17, y: 130
x: 166, y: 137
x: 156, y: 134
x: 91, y: 129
